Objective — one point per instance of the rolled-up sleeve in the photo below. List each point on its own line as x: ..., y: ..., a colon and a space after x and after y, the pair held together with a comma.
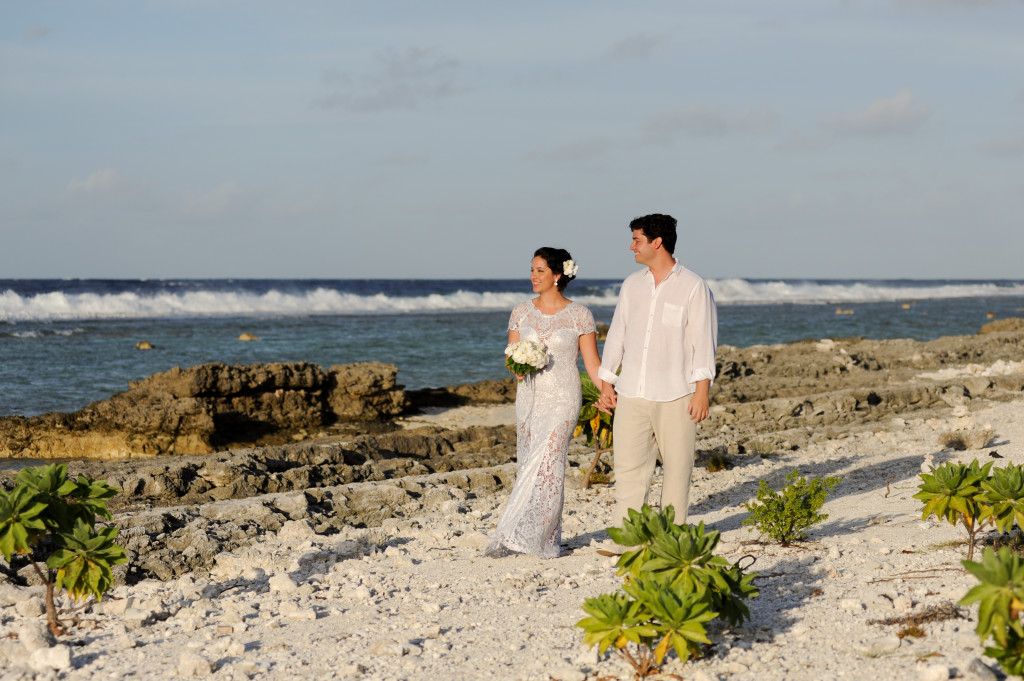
x: 614, y: 343
x: 702, y: 333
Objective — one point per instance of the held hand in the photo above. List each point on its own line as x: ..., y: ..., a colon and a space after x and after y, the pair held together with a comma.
x: 700, y: 404
x: 608, y: 399
x: 519, y: 377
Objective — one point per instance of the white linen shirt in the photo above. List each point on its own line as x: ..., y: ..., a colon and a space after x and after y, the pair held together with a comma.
x: 663, y: 337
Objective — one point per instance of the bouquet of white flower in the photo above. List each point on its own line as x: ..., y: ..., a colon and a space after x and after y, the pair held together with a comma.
x: 526, y: 357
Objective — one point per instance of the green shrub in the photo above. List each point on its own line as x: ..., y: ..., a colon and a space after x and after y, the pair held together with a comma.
x: 717, y: 462
x: 953, y: 492
x: 51, y: 519
x: 1000, y: 595
x: 784, y: 517
x: 595, y: 424
x: 673, y: 586
x: 1002, y: 497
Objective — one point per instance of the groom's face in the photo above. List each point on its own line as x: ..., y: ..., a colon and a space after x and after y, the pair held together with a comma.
x: 643, y: 250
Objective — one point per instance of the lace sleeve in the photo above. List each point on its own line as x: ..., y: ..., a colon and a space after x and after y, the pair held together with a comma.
x: 518, y: 312
x: 584, y: 320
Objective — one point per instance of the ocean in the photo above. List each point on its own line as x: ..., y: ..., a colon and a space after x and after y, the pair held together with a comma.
x: 66, y: 343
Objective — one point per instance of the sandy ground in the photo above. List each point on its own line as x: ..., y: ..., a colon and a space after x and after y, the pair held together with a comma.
x: 414, y: 599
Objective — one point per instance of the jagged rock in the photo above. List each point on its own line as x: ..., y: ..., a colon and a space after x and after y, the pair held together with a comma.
x: 484, y: 392
x: 193, y: 664
x: 209, y: 407
x: 1010, y: 324
x: 283, y: 583
x: 57, y: 658
x: 30, y: 607
x: 35, y: 635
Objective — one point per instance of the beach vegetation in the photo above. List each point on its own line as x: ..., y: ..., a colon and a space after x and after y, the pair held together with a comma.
x: 1002, y: 497
x: 51, y: 521
x: 594, y: 424
x: 1014, y: 540
x: 717, y: 462
x: 976, y: 496
x: 953, y: 492
x: 948, y: 544
x: 673, y: 585
x: 785, y: 515
x: 1000, y: 598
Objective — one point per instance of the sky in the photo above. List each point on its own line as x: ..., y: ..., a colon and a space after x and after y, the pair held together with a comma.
x: 336, y: 139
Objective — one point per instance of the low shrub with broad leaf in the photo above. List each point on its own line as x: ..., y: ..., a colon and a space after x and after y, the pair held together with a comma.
x: 51, y: 519
x: 595, y: 424
x: 673, y: 586
x: 783, y: 516
x: 952, y: 492
x: 1000, y: 598
x: 975, y: 496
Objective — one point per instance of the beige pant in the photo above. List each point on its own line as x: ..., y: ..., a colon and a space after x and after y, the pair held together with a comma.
x: 642, y: 428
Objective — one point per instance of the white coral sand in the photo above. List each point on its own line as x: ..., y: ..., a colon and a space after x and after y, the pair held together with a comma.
x: 414, y: 599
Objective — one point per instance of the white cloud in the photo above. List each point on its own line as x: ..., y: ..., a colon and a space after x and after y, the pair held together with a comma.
x: 637, y: 46
x: 701, y: 120
x: 107, y: 189
x: 106, y: 181
x: 223, y: 200
x: 570, y: 151
x: 401, y: 80
x: 899, y: 114
x: 1009, y: 145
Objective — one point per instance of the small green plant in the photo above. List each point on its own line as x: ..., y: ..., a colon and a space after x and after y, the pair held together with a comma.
x: 673, y: 586
x: 784, y: 516
x: 911, y: 631
x: 51, y: 519
x: 953, y: 492
x: 1000, y: 598
x: 593, y: 423
x: 1002, y: 497
x: 717, y: 463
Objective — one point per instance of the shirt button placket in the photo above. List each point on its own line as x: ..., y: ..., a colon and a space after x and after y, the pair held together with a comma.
x: 647, y: 342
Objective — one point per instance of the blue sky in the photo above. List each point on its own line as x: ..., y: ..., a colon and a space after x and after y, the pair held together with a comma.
x: 225, y: 138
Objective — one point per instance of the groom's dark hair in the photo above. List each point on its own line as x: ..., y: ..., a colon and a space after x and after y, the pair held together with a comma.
x: 657, y: 225
x: 555, y: 258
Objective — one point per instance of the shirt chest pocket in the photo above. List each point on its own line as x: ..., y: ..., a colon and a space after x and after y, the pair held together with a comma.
x: 672, y: 315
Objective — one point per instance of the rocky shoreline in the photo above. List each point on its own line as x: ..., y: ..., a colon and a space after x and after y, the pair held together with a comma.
x: 360, y: 531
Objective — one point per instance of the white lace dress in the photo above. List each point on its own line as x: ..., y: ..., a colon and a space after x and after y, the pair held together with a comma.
x: 547, y: 408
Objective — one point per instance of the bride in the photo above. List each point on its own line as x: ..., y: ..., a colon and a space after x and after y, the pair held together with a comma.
x: 547, y: 407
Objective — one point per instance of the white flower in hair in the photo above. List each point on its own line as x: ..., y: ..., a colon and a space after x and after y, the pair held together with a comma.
x: 570, y: 268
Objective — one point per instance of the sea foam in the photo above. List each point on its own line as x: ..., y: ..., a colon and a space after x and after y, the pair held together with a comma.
x: 170, y: 301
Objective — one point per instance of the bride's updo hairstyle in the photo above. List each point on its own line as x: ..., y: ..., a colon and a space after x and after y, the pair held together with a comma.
x: 556, y: 259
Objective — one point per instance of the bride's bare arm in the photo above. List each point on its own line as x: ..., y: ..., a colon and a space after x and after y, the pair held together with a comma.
x: 591, y: 360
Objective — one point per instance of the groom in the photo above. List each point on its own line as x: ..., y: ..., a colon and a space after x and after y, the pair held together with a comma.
x: 662, y: 336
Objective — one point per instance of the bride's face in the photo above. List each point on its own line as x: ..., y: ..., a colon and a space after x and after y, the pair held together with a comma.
x: 541, y: 276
